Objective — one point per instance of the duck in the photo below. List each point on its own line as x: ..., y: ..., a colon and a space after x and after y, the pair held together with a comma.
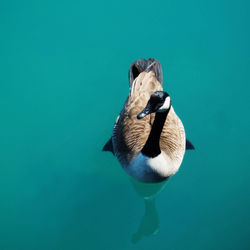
x: 148, y: 137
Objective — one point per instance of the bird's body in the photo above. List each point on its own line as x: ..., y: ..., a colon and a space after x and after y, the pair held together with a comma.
x: 150, y: 147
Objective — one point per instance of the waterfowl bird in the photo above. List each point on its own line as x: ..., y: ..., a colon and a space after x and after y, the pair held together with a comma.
x: 148, y: 137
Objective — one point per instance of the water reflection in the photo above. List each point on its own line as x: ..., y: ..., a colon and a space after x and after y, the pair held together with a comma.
x: 149, y: 224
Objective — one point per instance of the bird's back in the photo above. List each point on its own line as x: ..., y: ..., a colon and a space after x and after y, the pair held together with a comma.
x: 130, y: 134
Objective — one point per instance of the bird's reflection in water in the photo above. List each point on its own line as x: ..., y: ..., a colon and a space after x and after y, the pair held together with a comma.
x: 150, y: 221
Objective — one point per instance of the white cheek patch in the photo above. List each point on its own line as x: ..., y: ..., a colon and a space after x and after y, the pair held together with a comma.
x: 166, y: 104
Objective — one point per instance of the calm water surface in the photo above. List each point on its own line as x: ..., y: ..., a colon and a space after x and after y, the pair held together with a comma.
x: 63, y: 81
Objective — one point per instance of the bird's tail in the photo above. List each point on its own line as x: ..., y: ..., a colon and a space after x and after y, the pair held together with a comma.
x: 146, y: 65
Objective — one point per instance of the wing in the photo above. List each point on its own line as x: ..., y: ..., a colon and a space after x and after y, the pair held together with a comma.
x: 173, y: 140
x: 108, y: 146
x: 129, y: 133
x: 189, y: 145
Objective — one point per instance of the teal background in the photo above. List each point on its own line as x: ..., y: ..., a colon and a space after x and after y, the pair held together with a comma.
x: 63, y: 81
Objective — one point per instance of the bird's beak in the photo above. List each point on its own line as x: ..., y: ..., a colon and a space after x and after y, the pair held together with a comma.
x: 146, y: 111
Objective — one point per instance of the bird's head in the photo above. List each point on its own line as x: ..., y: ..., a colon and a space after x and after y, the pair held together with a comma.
x: 159, y: 102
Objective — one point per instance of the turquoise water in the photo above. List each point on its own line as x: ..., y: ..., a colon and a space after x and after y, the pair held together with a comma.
x: 63, y: 80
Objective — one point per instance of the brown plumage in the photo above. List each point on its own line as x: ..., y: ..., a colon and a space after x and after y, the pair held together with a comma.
x: 130, y: 134
x: 148, y: 137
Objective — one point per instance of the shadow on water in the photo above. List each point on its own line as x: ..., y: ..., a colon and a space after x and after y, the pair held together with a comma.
x: 149, y: 224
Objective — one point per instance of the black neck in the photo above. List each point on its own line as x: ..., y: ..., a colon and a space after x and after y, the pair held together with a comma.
x: 152, y: 146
